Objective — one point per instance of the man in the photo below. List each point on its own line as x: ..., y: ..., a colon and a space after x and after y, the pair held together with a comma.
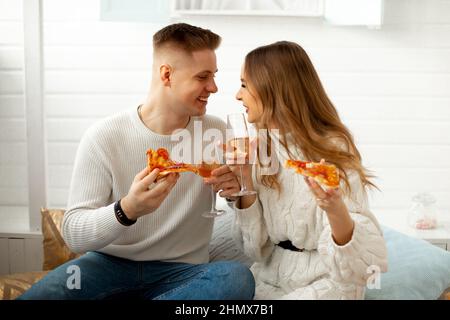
x: 145, y: 238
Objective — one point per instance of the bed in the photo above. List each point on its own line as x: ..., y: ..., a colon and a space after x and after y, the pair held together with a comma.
x: 417, y: 270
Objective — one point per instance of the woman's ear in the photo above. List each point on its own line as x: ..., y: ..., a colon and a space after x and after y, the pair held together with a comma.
x: 165, y: 72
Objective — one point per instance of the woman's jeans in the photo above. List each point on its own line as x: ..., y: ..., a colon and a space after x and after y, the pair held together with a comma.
x: 100, y: 276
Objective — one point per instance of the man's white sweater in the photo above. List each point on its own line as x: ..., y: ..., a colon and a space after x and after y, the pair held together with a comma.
x: 109, y: 156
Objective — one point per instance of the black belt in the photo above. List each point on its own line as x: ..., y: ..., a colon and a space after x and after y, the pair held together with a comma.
x: 288, y: 246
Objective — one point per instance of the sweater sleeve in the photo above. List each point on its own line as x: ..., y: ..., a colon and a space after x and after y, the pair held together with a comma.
x: 89, y: 222
x: 366, y: 252
x: 250, y: 232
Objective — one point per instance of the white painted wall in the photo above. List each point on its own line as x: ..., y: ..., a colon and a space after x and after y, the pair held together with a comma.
x: 391, y: 86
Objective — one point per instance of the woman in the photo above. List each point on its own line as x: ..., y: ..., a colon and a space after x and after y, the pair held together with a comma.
x: 308, y: 242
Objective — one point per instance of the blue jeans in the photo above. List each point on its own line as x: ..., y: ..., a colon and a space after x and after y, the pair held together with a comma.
x: 101, y: 276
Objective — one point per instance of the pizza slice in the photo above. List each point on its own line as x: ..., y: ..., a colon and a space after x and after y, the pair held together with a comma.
x: 160, y: 159
x: 324, y: 173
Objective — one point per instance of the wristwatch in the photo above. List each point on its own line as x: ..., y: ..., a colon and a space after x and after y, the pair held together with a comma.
x: 121, y: 216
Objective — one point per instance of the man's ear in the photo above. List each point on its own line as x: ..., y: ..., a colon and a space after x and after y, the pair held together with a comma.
x: 165, y: 73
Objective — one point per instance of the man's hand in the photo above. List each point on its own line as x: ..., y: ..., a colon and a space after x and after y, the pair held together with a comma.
x: 146, y: 193
x: 223, y: 179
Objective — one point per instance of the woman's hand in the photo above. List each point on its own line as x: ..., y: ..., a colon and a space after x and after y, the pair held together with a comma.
x: 241, y: 163
x: 224, y: 181
x: 246, y: 170
x: 331, y: 202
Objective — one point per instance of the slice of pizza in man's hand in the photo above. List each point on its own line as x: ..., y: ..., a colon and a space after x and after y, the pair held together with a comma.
x: 323, y: 173
x: 160, y: 159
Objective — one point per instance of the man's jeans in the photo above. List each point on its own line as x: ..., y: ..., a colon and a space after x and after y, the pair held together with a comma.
x: 101, y: 276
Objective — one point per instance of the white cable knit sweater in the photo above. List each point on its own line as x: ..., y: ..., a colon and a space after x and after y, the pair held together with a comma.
x: 324, y: 270
x: 109, y: 156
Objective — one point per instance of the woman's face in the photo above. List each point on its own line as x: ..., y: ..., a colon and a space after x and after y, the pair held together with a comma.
x: 250, y: 100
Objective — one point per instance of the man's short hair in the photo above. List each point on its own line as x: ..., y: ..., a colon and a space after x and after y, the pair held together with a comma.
x: 186, y: 37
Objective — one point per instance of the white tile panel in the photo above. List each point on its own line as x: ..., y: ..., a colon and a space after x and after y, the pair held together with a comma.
x: 4, y: 256
x: 17, y: 262
x: 12, y: 33
x: 11, y: 82
x: 11, y: 10
x: 12, y: 106
x: 12, y: 129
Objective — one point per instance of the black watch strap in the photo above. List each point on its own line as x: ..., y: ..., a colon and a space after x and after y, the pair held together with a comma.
x: 121, y: 216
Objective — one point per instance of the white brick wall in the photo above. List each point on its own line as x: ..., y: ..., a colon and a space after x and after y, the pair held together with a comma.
x: 13, y: 179
x: 391, y: 86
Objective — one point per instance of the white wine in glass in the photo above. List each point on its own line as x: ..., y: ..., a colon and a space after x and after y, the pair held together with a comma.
x: 239, y: 146
x: 204, y: 170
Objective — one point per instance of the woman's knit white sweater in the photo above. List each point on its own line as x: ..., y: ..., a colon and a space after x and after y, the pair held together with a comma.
x: 109, y: 156
x: 324, y: 270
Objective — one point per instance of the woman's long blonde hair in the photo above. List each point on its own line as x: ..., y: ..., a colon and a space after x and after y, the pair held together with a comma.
x: 294, y: 100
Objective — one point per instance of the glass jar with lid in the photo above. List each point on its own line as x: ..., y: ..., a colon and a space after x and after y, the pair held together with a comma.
x: 423, y: 212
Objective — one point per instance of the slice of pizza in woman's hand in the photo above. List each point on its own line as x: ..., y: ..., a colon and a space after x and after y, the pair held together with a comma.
x: 324, y: 173
x: 160, y: 159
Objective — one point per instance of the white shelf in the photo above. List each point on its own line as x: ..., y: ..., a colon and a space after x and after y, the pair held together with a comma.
x: 15, y: 223
x: 440, y: 236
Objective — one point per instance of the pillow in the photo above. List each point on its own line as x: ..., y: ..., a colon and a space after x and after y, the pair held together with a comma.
x: 55, y: 249
x: 416, y: 269
x: 12, y: 286
x: 445, y: 295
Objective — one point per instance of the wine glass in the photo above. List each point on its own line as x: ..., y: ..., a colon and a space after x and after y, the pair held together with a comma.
x: 204, y: 170
x: 239, y: 144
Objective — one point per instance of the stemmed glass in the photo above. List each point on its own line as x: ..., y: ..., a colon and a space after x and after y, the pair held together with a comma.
x: 239, y: 145
x: 204, y: 170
